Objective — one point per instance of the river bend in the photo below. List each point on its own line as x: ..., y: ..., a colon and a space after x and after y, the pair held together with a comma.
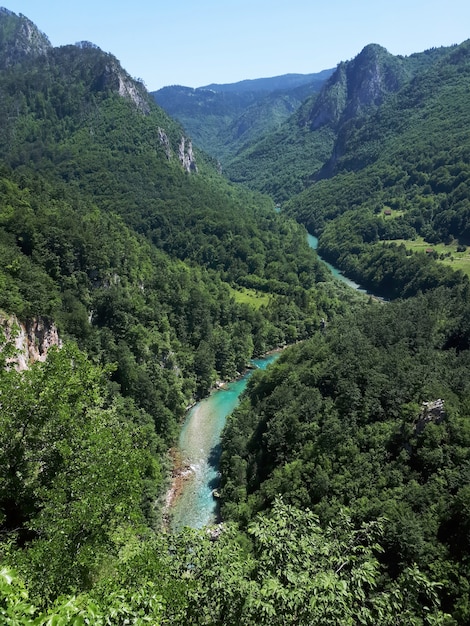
x: 199, y: 445
x: 199, y: 441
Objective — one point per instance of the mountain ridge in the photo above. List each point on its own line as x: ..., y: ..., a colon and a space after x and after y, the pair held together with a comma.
x: 224, y: 118
x: 20, y: 38
x: 287, y: 161
x: 271, y: 83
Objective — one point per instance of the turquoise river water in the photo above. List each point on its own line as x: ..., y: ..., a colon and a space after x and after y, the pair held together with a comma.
x: 313, y: 243
x: 199, y: 445
x: 199, y: 441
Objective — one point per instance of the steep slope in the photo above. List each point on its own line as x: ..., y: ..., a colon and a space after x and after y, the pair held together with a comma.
x: 223, y: 118
x: 371, y: 417
x: 19, y: 38
x: 116, y: 228
x: 400, y: 173
x: 284, y: 163
x: 79, y: 118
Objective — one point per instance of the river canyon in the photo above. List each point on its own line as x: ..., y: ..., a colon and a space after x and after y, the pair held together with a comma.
x: 199, y: 442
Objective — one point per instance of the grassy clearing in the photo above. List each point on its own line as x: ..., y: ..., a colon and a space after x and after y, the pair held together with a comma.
x: 253, y: 298
x: 447, y: 253
x: 389, y: 214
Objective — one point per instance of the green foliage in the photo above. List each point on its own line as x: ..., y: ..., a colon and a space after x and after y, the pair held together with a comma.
x: 79, y: 154
x: 296, y: 155
x: 339, y: 421
x: 410, y: 156
x: 294, y: 572
x: 75, y: 464
x: 287, y: 160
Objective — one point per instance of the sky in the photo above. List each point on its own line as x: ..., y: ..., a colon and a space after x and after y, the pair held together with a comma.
x: 198, y: 42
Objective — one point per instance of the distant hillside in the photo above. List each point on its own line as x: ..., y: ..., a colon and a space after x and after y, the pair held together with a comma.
x: 222, y: 119
x: 285, y: 162
x: 274, y: 83
x: 395, y: 191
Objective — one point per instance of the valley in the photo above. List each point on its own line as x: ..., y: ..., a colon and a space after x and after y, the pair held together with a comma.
x: 199, y: 447
x: 168, y: 250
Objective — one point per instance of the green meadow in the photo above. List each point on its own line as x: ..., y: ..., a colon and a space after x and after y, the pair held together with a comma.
x: 446, y: 253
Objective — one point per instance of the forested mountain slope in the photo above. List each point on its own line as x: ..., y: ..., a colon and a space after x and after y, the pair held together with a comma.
x: 223, y: 119
x: 399, y: 175
x: 82, y: 143
x: 285, y: 162
x: 345, y: 496
x: 20, y: 38
x: 371, y: 415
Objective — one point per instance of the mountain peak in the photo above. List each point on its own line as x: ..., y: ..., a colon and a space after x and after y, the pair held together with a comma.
x: 19, y: 38
x: 358, y: 84
x: 373, y: 50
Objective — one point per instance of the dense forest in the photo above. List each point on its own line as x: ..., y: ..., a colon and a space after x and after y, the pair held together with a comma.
x: 399, y: 178
x: 345, y: 470
x: 226, y: 119
x: 369, y: 417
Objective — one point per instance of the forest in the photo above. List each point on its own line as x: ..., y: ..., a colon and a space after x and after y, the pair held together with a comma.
x: 345, y: 495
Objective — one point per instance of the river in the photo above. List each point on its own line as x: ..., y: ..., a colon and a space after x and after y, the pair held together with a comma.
x: 199, y: 441
x: 313, y: 243
x: 199, y: 445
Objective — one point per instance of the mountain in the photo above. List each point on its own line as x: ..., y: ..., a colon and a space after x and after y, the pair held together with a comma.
x: 370, y: 416
x: 284, y: 82
x: 285, y: 162
x: 19, y: 38
x: 399, y: 175
x: 76, y: 127
x: 222, y: 119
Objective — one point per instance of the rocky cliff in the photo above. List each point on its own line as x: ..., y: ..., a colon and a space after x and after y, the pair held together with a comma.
x: 186, y: 155
x: 19, y: 38
x: 358, y: 85
x: 29, y: 342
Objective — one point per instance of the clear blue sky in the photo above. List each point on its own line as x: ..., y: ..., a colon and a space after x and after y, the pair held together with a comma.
x: 197, y: 42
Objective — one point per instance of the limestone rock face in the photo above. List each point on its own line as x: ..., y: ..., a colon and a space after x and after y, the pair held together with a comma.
x: 432, y: 411
x: 129, y: 89
x: 19, y: 38
x: 186, y: 155
x: 165, y: 142
x: 357, y: 85
x: 31, y: 341
x: 116, y: 78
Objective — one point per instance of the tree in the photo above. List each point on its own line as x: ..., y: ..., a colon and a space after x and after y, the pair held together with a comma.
x: 73, y: 471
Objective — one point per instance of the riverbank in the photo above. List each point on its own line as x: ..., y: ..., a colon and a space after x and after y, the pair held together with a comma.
x: 189, y: 501
x: 337, y: 273
x: 180, y: 473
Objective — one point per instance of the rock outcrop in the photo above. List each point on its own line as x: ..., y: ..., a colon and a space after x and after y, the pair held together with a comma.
x: 114, y: 77
x: 186, y: 155
x: 432, y: 411
x: 129, y: 88
x: 357, y: 85
x: 30, y: 341
x: 165, y: 142
x: 19, y: 38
